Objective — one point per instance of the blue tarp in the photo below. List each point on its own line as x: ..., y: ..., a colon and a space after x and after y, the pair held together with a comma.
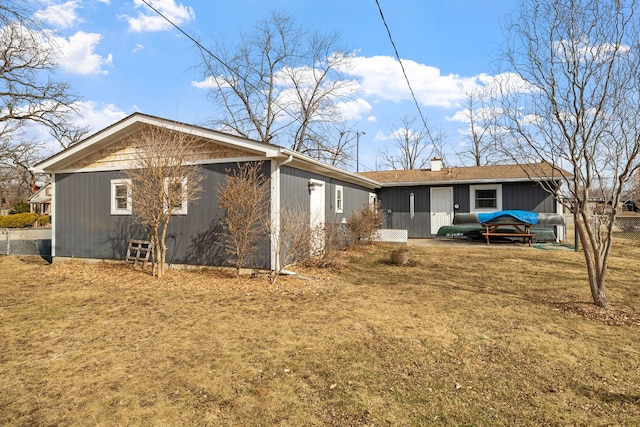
x: 522, y: 216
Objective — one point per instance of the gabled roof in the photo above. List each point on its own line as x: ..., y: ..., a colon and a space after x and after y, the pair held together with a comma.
x: 42, y: 195
x: 65, y: 160
x: 468, y: 175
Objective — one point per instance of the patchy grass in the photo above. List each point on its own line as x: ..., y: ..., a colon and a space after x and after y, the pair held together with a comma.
x: 463, y: 335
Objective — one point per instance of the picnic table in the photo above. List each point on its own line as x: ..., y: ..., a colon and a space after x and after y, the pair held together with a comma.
x: 520, y: 221
x: 521, y: 230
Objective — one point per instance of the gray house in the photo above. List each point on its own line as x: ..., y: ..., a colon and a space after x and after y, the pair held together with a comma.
x: 90, y: 219
x: 423, y: 200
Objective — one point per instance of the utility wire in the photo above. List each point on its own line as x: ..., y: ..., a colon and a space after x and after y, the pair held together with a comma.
x: 214, y: 56
x: 404, y: 72
x: 187, y: 35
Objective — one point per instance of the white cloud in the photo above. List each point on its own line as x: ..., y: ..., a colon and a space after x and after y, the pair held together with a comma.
x: 92, y: 115
x: 382, y: 77
x: 149, y: 21
x: 138, y: 48
x: 59, y: 16
x: 77, y: 53
x: 97, y: 116
x: 354, y: 110
x: 210, y: 83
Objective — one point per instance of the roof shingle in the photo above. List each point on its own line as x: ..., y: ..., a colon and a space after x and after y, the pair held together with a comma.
x: 525, y: 172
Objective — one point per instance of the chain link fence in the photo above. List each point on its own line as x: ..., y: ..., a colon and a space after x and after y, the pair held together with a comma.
x: 17, y: 241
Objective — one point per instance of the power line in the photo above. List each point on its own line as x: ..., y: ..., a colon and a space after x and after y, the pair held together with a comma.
x: 187, y: 35
x: 224, y: 64
x: 404, y: 72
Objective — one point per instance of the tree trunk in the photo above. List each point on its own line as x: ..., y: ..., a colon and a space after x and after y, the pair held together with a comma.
x: 596, y: 269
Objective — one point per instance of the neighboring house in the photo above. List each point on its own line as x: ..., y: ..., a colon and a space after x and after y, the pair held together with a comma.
x: 92, y: 220
x: 40, y: 201
x: 423, y: 200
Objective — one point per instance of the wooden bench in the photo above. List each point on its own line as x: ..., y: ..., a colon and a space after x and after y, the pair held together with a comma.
x: 521, y: 231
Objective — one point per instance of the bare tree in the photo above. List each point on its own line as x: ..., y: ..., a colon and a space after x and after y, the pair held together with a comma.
x: 573, y: 101
x: 363, y: 223
x: 412, y: 149
x: 482, y: 131
x: 291, y: 238
x: 163, y: 182
x: 281, y: 84
x: 28, y: 92
x: 15, y: 164
x: 245, y: 199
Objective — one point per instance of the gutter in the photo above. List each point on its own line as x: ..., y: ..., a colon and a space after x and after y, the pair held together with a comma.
x: 466, y: 181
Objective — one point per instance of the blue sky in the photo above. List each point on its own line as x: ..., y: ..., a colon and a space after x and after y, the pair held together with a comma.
x: 120, y: 57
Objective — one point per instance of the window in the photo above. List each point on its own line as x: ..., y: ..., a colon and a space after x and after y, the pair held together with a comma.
x: 120, y: 197
x: 339, y: 199
x: 176, y: 189
x: 485, y: 198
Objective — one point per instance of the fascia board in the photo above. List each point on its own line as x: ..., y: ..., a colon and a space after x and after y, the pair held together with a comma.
x: 461, y: 182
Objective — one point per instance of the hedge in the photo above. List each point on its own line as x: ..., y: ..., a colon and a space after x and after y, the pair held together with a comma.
x: 20, y: 220
x: 44, y: 220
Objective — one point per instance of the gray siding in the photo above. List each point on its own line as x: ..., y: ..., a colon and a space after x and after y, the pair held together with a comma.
x: 526, y: 196
x: 85, y: 227
x: 294, y: 190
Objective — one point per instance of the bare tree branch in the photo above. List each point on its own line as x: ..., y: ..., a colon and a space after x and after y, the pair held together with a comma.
x: 574, y: 101
x: 282, y: 84
x: 163, y: 182
x: 412, y: 149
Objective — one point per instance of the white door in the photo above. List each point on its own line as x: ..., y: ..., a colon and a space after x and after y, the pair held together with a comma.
x: 316, y: 214
x: 441, y: 207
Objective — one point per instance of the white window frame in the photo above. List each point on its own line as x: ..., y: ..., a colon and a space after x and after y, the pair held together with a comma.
x: 114, y: 204
x: 472, y: 197
x: 339, y: 199
x: 182, y: 210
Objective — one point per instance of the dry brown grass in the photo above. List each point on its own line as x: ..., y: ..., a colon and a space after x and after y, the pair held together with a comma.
x: 462, y: 336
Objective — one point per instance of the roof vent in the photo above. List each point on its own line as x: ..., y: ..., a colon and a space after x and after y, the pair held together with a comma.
x: 436, y: 164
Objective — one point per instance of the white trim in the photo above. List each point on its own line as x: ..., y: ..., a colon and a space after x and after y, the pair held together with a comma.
x: 130, y: 124
x: 52, y: 215
x: 455, y: 182
x: 124, y: 165
x: 182, y: 210
x: 472, y: 197
x: 114, y: 205
x: 275, y: 214
x: 339, y: 201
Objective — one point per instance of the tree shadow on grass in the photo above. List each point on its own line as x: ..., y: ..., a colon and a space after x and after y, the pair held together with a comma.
x: 606, y: 396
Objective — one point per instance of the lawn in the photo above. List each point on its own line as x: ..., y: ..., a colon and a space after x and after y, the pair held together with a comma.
x: 498, y: 335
